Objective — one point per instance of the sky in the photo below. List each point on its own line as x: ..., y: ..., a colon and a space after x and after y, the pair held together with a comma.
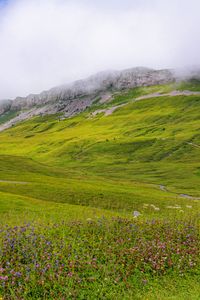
x: 45, y: 43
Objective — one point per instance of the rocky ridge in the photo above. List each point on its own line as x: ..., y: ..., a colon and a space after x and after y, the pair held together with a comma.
x: 74, y: 98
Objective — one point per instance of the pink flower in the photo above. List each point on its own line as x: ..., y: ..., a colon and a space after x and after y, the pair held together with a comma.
x: 4, y: 278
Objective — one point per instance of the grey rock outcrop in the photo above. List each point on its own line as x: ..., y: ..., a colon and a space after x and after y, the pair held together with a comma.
x: 74, y: 98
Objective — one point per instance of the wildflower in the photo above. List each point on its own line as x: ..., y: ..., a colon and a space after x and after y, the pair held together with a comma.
x: 4, y: 278
x: 188, y: 206
x: 18, y: 274
x: 136, y: 214
x: 174, y: 207
x: 156, y: 208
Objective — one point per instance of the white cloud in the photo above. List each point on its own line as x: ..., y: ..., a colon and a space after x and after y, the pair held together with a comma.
x: 44, y: 43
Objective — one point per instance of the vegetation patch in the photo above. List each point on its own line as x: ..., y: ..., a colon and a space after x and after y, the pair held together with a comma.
x: 85, y: 260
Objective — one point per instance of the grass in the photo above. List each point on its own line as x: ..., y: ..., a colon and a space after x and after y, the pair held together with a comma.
x: 76, y: 183
x: 17, y: 210
x: 192, y: 85
x: 7, y: 116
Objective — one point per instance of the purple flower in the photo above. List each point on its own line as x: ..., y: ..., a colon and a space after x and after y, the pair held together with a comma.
x: 18, y: 274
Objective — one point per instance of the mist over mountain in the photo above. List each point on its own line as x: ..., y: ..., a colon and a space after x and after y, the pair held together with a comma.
x: 75, y: 97
x: 71, y: 99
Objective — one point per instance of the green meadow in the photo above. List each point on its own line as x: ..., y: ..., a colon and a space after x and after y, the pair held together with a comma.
x: 92, y: 175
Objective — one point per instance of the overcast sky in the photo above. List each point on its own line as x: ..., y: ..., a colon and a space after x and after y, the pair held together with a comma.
x: 44, y: 43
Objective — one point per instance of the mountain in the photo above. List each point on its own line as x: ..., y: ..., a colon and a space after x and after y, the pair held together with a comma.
x: 76, y: 97
x: 112, y: 191
x: 140, y: 146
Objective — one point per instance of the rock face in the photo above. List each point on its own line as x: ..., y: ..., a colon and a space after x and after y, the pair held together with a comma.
x: 76, y: 97
x: 89, y: 88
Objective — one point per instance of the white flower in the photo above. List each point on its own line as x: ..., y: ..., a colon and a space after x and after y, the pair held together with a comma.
x: 174, y: 207
x: 157, y: 208
x: 136, y: 213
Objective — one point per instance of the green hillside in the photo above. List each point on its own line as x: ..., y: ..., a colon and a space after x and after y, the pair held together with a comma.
x: 143, y: 156
x: 137, y: 148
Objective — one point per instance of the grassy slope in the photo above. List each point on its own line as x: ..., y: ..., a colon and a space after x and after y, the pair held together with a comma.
x: 116, y: 163
x: 7, y: 117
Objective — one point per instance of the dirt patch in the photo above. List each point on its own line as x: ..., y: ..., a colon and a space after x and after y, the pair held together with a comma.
x: 173, y: 93
x: 13, y: 182
x: 107, y: 111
